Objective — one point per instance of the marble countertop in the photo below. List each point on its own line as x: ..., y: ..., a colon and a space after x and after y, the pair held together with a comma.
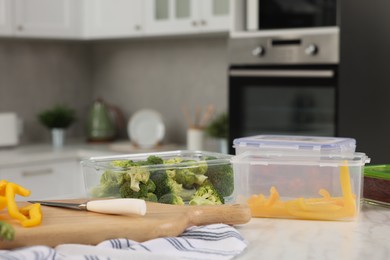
x: 367, y: 237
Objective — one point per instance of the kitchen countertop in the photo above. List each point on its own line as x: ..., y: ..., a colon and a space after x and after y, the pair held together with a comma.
x: 367, y: 237
x: 37, y: 153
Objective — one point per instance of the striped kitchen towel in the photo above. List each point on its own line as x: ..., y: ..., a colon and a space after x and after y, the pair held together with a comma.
x: 216, y: 241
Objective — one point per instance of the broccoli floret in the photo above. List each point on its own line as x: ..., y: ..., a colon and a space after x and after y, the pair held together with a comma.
x: 206, y: 195
x: 171, y: 198
x: 151, y: 197
x: 110, y: 183
x: 198, y: 167
x: 154, y: 160
x: 186, y: 194
x: 164, y: 184
x: 123, y: 163
x: 7, y: 231
x: 137, y: 175
x: 126, y: 190
x: 188, y: 178
x: 222, y: 178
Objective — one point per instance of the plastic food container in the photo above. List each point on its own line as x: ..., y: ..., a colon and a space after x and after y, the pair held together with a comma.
x: 181, y: 173
x: 376, y: 185
x: 317, y: 144
x: 292, y: 185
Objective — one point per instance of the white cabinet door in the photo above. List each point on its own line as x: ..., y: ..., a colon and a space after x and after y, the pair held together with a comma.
x: 114, y: 18
x: 171, y: 16
x: 61, y: 179
x: 48, y: 18
x: 5, y: 17
x: 215, y: 15
x: 187, y: 16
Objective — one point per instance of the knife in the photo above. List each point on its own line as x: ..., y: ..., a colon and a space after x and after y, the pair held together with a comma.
x: 109, y: 206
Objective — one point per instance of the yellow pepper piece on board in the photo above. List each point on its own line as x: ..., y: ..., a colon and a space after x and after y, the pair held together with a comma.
x: 33, y: 214
x: 3, y: 202
x: 10, y: 191
x: 3, y: 184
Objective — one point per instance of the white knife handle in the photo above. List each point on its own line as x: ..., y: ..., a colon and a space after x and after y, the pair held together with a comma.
x: 118, y: 206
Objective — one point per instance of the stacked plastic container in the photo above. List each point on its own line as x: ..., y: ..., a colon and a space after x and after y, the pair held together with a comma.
x: 299, y: 177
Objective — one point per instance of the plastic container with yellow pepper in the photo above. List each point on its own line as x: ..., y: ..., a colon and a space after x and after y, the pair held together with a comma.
x: 299, y: 185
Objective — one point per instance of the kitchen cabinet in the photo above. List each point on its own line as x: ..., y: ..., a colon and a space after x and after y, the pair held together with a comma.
x: 5, y: 17
x: 115, y: 18
x: 47, y: 18
x: 45, y: 180
x: 186, y: 16
x: 102, y: 19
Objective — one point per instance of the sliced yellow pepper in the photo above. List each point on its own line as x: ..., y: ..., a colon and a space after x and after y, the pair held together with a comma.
x: 10, y: 191
x: 33, y: 214
x: 327, y: 207
x: 3, y: 184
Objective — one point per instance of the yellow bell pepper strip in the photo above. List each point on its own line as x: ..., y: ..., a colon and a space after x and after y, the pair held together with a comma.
x: 3, y: 184
x: 326, y: 207
x: 3, y: 202
x: 328, y: 211
x: 10, y: 191
x: 271, y: 207
x: 33, y: 213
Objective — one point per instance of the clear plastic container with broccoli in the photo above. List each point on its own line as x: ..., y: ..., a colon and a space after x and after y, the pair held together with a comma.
x: 177, y: 177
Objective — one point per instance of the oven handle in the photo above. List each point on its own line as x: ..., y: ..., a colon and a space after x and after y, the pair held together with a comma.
x: 283, y: 73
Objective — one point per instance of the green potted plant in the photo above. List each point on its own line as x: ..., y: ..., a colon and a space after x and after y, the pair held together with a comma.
x: 57, y: 119
x: 218, y: 128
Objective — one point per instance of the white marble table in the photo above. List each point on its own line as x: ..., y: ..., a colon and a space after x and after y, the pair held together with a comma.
x: 368, y: 237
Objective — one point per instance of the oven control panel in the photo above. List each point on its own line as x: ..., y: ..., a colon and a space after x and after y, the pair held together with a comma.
x: 288, y: 48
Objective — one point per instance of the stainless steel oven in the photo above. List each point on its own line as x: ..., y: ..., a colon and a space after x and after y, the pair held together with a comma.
x: 283, y: 85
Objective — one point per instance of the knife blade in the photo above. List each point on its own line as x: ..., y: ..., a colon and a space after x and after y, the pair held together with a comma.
x: 109, y: 206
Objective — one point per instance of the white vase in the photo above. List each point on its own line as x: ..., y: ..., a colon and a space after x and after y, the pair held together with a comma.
x: 195, y: 139
x: 58, y: 137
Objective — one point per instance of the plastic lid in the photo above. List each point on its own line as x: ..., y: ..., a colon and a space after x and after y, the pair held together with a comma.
x: 294, y: 142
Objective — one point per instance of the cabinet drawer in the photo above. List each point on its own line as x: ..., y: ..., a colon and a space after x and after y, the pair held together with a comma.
x: 47, y: 180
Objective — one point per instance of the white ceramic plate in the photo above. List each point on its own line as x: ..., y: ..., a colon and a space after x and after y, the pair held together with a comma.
x: 146, y: 128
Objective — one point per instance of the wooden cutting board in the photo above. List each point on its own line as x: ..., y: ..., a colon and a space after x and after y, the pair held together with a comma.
x: 60, y: 226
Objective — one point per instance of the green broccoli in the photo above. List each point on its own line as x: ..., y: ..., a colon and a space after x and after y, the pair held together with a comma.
x: 7, y: 231
x: 151, y: 197
x: 172, y: 172
x: 188, y: 178
x: 137, y: 175
x: 154, y: 160
x: 171, y: 198
x: 222, y: 178
x: 207, y: 195
x: 198, y: 167
x: 110, y: 183
x: 123, y: 163
x: 164, y: 184
x: 126, y: 190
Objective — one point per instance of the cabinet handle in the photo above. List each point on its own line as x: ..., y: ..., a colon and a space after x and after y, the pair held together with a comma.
x: 194, y: 23
x: 203, y: 22
x: 20, y: 28
x: 137, y: 27
x: 37, y: 172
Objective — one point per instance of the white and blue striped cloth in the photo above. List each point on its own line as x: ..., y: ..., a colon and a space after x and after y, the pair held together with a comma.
x: 216, y: 241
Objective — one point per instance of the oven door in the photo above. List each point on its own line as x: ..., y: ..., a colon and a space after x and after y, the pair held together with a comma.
x: 295, y: 100
x: 282, y: 14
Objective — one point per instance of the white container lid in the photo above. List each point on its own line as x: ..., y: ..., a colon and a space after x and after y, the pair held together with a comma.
x: 297, y: 143
x: 293, y: 158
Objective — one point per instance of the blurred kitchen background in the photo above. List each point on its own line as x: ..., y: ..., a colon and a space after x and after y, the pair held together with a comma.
x: 167, y: 66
